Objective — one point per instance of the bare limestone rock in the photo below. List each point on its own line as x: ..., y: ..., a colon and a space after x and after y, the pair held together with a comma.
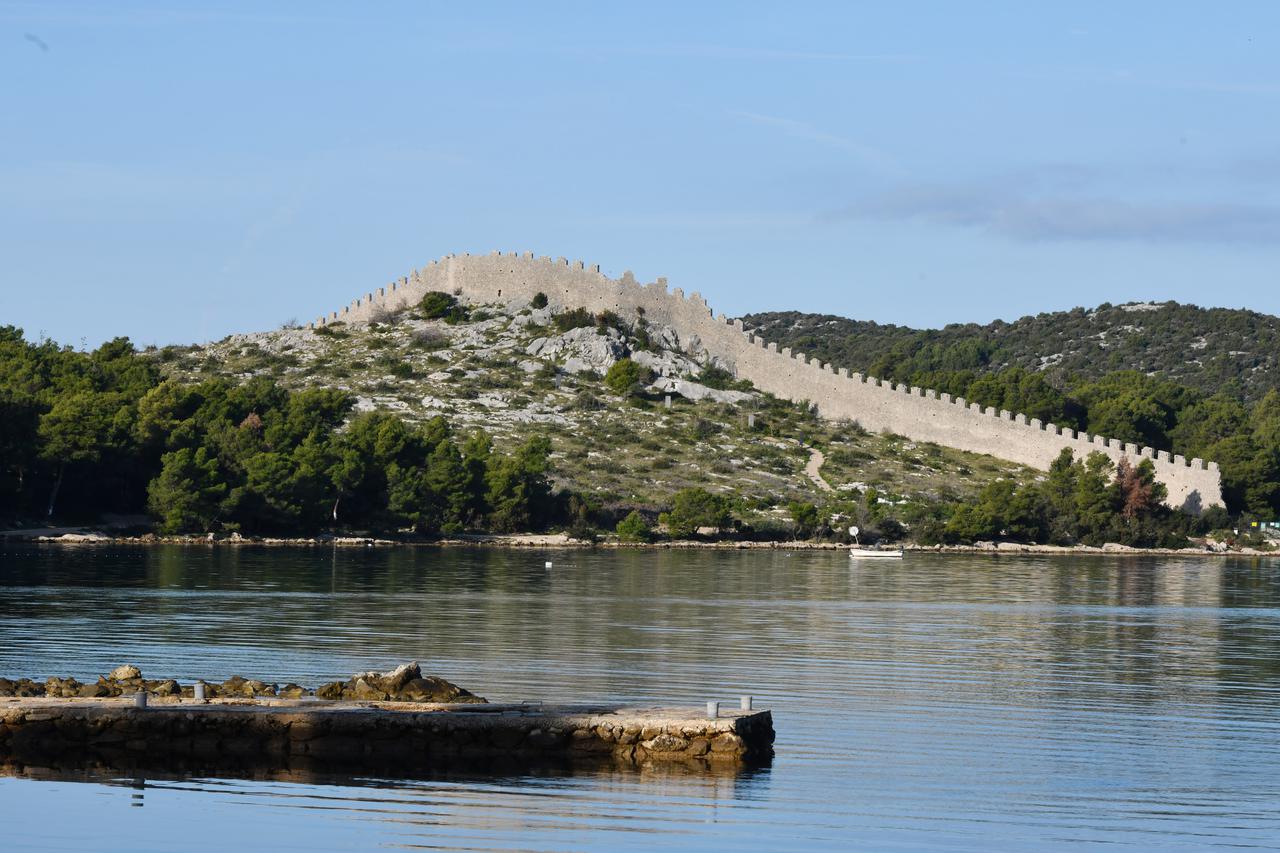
x: 582, y: 349
x: 405, y: 683
x: 362, y: 689
x: 696, y: 391
x: 331, y: 690
x: 124, y: 673
x: 392, y: 680
x: 433, y: 689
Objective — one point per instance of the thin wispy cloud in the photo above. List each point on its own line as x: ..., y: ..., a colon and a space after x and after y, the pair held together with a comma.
x: 1031, y: 218
x: 869, y: 155
x: 723, y: 51
x: 152, y: 15
x: 1155, y: 79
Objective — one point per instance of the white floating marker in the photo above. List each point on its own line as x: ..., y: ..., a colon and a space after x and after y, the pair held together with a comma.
x: 547, y: 564
x: 713, y: 710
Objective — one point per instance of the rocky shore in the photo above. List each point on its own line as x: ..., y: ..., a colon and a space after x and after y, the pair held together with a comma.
x: 405, y: 683
x: 562, y: 540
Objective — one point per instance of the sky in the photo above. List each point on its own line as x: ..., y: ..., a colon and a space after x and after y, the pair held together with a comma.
x: 177, y: 172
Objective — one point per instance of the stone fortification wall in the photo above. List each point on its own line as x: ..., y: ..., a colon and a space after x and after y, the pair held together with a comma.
x: 919, y: 414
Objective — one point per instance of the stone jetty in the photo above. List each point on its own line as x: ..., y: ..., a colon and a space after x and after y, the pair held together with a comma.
x: 364, y: 727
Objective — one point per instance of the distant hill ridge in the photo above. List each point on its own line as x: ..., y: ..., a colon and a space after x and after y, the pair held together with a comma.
x: 921, y: 414
x: 1209, y: 349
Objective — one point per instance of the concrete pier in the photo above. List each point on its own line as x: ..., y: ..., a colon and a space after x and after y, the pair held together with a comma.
x: 391, y: 736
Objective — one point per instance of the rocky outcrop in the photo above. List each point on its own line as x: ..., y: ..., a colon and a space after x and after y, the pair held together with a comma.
x: 696, y: 391
x: 405, y: 683
x: 582, y: 350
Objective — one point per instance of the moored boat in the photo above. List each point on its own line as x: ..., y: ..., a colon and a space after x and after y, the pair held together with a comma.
x: 857, y: 552
x: 875, y: 553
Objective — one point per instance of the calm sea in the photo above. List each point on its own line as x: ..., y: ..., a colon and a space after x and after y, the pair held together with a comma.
x: 958, y: 702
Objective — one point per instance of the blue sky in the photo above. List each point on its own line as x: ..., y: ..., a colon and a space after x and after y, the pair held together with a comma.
x: 176, y: 173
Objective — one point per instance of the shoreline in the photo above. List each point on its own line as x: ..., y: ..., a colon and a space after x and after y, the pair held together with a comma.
x: 525, y: 541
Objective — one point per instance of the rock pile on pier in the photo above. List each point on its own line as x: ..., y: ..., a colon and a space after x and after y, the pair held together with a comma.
x: 405, y: 683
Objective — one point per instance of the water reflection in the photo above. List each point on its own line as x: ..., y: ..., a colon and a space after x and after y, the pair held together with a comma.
x: 972, y: 702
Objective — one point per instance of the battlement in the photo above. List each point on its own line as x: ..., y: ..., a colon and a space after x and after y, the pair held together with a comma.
x: 921, y: 414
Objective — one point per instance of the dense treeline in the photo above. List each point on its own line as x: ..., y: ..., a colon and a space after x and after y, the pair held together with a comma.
x: 1208, y: 349
x: 1091, y: 502
x: 87, y: 433
x: 1231, y: 416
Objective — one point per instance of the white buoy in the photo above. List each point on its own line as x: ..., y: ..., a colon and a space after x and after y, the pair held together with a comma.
x: 547, y: 564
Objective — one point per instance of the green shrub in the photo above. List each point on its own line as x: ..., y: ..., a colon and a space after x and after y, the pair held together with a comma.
x: 609, y: 320
x: 429, y: 340
x: 583, y: 531
x: 625, y: 375
x: 539, y: 300
x: 585, y: 401
x: 396, y: 367
x: 722, y: 380
x: 436, y: 305
x: 805, y: 517
x: 702, y: 429
x: 634, y: 528
x: 693, y: 508
x: 578, y: 318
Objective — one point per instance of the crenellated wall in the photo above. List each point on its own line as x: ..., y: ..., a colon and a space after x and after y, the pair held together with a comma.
x: 919, y: 414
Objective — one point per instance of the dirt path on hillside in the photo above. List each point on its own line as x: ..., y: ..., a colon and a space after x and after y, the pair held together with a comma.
x: 813, y: 470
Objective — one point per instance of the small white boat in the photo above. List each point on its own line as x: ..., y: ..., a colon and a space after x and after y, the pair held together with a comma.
x: 857, y: 552
x: 875, y: 554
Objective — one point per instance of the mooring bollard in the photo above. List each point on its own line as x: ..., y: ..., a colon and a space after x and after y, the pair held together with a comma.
x: 713, y: 710
x: 199, y: 691
x: 745, y: 703
x: 140, y: 699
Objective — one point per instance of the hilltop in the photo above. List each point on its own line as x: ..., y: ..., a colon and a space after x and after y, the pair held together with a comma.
x: 535, y: 371
x: 1206, y: 349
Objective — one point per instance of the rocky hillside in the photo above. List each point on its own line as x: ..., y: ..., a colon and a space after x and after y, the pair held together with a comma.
x: 539, y: 372
x: 1208, y: 349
